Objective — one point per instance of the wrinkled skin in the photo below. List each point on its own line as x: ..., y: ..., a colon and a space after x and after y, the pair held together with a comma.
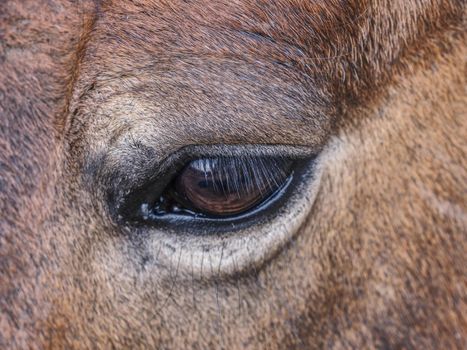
x: 375, y: 259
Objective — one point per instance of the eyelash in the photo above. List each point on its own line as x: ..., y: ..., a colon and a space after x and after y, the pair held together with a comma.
x: 245, y: 173
x: 239, y: 176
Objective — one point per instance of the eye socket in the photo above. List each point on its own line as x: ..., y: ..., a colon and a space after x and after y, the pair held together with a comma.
x: 223, y: 186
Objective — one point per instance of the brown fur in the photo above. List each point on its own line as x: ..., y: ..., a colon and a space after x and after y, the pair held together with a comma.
x: 377, y: 86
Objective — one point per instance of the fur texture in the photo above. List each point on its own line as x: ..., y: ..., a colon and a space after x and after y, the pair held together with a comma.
x: 92, y: 91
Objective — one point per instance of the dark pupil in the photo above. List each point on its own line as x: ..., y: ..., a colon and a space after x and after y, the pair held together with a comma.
x: 228, y: 186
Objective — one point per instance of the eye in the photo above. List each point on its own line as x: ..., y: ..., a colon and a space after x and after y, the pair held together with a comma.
x: 223, y: 187
x: 226, y: 205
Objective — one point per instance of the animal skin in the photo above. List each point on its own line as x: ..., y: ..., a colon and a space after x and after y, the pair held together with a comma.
x: 372, y: 252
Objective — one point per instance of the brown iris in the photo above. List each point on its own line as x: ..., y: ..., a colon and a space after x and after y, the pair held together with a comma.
x: 230, y: 185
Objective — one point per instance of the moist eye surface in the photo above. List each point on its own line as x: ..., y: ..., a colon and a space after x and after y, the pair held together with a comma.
x: 222, y: 186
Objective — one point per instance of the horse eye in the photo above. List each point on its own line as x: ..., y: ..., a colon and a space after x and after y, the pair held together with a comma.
x: 223, y: 186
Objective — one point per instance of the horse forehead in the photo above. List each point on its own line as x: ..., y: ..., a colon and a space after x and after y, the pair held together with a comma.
x: 318, y: 40
x: 285, y: 32
x: 286, y: 27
